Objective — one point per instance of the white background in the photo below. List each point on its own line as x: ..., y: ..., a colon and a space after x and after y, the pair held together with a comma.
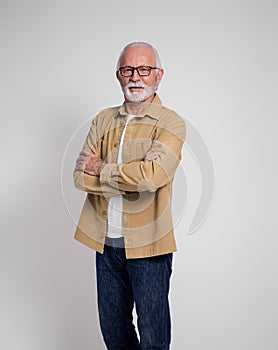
x: 57, y: 70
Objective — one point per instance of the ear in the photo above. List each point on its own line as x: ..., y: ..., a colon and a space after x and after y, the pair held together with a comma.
x: 160, y: 75
x: 118, y: 75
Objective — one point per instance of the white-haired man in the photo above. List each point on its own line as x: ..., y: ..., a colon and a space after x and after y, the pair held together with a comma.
x: 127, y: 166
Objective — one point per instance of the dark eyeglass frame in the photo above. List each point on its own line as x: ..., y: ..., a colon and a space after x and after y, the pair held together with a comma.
x: 132, y: 69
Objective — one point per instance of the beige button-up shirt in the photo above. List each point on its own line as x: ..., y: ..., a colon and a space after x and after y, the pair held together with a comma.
x: 146, y: 186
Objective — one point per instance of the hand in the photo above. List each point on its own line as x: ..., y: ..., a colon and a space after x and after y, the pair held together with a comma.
x: 152, y: 154
x: 89, y: 163
x: 93, y: 165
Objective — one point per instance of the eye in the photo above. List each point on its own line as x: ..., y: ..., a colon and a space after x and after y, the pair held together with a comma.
x: 127, y: 70
x: 144, y: 70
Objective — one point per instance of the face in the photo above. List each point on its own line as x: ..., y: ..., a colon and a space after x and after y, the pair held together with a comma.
x: 138, y: 88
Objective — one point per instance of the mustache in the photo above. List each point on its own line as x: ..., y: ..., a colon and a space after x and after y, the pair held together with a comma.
x: 131, y: 84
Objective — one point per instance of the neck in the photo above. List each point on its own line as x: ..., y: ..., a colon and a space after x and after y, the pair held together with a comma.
x: 136, y: 108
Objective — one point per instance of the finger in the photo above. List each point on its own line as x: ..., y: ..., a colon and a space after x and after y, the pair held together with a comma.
x: 151, y: 157
x: 153, y: 153
x: 81, y: 159
x: 84, y: 152
x: 79, y: 167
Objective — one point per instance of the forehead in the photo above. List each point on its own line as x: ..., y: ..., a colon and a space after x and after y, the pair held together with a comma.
x: 138, y: 56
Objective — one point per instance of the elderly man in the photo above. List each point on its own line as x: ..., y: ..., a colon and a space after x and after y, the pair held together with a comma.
x: 127, y: 167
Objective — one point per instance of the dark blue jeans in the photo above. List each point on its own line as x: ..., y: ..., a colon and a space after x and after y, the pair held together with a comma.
x: 122, y: 282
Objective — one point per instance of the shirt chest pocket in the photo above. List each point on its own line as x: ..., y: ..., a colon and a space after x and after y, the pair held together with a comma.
x: 135, y: 150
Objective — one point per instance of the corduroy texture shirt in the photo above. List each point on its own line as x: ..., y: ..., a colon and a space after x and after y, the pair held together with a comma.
x: 146, y: 186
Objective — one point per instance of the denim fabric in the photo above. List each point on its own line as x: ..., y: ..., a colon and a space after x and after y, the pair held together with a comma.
x: 121, y: 283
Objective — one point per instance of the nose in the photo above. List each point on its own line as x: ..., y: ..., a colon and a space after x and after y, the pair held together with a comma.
x: 135, y: 76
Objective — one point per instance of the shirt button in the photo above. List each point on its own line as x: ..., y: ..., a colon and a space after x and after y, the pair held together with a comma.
x: 104, y: 212
x: 116, y: 144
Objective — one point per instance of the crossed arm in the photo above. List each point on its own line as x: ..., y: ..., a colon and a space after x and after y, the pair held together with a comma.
x: 93, y: 175
x: 91, y: 164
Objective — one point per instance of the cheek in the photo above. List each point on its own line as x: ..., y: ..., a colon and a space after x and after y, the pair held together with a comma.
x: 124, y: 81
x: 148, y: 81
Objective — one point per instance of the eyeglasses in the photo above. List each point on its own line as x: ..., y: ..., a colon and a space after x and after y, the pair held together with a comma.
x: 143, y: 71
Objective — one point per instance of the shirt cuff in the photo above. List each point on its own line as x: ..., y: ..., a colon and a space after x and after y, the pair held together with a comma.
x: 110, y: 173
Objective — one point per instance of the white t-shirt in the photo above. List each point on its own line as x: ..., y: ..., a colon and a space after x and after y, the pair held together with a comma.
x: 115, y: 205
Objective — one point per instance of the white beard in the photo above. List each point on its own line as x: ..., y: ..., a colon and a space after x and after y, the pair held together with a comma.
x: 137, y: 96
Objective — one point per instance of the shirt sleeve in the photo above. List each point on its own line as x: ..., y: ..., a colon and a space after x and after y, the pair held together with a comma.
x: 140, y: 176
x: 90, y: 183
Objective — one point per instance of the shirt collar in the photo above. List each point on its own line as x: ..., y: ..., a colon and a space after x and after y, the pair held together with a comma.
x: 153, y: 110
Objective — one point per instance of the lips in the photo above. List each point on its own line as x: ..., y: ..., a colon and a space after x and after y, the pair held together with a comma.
x: 131, y: 85
x: 135, y: 88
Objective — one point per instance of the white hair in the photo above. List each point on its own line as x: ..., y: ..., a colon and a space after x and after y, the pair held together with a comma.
x: 139, y: 44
